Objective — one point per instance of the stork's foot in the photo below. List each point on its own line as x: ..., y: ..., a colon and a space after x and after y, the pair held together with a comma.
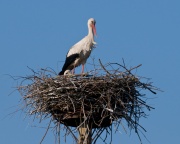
x: 84, y: 74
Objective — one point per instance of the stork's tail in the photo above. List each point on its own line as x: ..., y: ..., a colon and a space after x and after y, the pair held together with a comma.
x: 61, y: 73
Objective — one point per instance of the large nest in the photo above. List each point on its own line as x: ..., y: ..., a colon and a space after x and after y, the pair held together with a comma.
x: 100, y: 98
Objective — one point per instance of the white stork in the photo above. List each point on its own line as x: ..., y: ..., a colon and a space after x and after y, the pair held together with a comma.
x: 79, y: 53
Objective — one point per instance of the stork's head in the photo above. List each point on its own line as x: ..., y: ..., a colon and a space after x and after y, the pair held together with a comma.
x: 91, y: 25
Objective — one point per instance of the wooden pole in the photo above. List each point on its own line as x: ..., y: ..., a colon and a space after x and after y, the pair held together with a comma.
x: 85, y: 134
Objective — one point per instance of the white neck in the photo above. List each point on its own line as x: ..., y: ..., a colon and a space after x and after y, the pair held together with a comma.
x: 90, y: 33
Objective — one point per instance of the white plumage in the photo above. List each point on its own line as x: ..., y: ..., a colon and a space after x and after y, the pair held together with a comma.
x: 79, y: 53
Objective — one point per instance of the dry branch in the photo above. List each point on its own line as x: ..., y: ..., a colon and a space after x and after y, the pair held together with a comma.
x: 99, y: 99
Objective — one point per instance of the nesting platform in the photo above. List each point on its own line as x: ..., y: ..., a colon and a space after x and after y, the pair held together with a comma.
x: 97, y: 100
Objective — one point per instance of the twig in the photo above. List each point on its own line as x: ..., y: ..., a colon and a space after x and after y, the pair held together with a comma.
x: 45, y: 132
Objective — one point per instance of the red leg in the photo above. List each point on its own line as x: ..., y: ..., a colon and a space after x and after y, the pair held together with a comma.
x: 82, y: 69
x: 73, y: 70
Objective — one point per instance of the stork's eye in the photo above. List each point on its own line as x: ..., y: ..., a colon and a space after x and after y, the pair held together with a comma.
x: 93, y: 22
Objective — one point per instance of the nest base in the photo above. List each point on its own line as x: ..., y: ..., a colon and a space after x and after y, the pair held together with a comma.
x: 76, y: 121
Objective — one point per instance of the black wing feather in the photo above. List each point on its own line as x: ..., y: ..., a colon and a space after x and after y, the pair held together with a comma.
x: 69, y: 60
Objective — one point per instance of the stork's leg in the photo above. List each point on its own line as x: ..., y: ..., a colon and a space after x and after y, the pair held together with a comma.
x: 82, y: 71
x: 73, y: 70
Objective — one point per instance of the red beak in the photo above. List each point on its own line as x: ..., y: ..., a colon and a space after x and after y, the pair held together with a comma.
x: 94, y: 29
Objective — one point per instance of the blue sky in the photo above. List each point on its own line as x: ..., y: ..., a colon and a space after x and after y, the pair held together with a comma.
x: 39, y: 33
